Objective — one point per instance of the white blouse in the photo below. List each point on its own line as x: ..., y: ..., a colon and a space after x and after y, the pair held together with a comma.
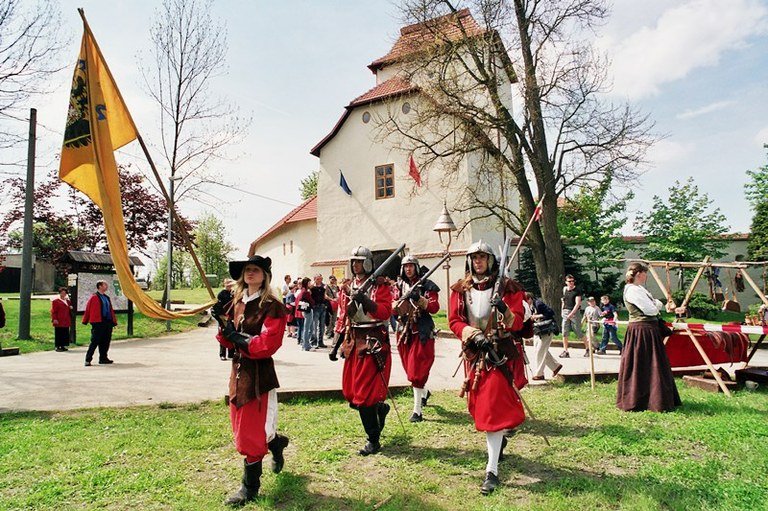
x: 642, y: 299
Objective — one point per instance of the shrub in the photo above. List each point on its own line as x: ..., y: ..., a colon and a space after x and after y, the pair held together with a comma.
x: 700, y: 306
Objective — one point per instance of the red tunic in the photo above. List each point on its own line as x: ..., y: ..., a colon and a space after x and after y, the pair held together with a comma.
x: 362, y: 383
x: 494, y: 405
x: 249, y: 421
x: 417, y: 356
x: 60, y: 313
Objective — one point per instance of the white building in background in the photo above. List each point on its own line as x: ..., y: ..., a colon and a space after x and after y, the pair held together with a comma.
x: 385, y: 208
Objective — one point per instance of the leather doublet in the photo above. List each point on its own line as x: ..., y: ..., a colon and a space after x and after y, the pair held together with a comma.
x: 252, y: 377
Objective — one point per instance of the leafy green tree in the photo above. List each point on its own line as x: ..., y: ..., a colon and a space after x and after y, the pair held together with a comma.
x: 593, y: 220
x: 213, y: 248
x: 756, y: 191
x: 757, y: 248
x: 308, y: 187
x: 682, y: 227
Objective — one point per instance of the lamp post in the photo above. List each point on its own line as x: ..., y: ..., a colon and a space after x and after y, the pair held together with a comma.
x: 445, y: 226
x: 169, y: 269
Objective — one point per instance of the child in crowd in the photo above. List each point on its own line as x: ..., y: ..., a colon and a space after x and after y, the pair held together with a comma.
x: 592, y: 319
x: 610, y: 329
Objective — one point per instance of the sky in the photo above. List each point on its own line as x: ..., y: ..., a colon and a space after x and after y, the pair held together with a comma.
x: 698, y: 68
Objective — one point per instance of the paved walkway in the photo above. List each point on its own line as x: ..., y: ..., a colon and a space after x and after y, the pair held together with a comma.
x: 186, y: 368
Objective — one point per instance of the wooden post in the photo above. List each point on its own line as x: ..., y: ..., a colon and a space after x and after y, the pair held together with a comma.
x: 591, y: 355
x: 663, y: 286
x: 754, y: 349
x: 754, y: 286
x: 709, y: 363
x: 695, y: 282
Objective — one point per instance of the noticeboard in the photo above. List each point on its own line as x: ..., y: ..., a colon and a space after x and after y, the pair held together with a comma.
x: 86, y: 286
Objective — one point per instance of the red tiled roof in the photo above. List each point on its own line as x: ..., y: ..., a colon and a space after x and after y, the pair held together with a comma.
x: 418, y: 36
x: 391, y: 87
x: 307, y: 210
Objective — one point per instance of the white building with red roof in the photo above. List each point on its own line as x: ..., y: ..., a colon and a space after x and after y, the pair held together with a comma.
x: 386, y: 207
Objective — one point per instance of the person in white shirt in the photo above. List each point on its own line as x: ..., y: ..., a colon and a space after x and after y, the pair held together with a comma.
x: 645, y: 375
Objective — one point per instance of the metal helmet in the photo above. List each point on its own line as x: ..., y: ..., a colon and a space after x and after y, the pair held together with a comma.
x: 481, y: 247
x: 362, y: 254
x: 409, y: 259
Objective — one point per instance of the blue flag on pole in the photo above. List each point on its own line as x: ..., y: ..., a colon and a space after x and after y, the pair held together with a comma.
x: 343, y: 183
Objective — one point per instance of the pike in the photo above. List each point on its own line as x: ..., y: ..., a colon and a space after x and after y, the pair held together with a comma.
x: 333, y: 355
x: 423, y: 279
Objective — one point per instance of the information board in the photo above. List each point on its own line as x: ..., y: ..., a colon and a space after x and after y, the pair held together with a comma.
x: 86, y: 286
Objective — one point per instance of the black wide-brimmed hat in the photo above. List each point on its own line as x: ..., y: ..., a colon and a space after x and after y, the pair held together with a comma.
x: 236, y: 267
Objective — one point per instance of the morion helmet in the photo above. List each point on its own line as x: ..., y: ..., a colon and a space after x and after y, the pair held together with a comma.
x: 409, y: 259
x: 362, y: 254
x: 481, y: 247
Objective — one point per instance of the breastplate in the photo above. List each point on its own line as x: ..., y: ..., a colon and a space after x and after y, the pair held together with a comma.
x: 478, y: 307
x: 360, y: 318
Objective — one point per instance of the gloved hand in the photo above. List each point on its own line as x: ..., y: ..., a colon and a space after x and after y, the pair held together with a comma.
x: 481, y: 341
x: 239, y: 339
x: 369, y: 306
x: 497, y: 302
x: 414, y: 295
x: 217, y: 311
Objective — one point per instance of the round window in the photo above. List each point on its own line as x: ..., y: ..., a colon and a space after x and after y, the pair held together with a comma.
x: 406, y: 107
x: 366, y: 117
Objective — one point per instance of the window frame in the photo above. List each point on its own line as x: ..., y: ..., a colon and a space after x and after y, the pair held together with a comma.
x: 391, y: 167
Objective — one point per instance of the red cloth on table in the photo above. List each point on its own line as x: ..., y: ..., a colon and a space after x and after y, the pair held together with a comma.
x: 720, y: 347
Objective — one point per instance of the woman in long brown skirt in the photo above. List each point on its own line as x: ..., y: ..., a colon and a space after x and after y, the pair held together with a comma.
x: 645, y: 375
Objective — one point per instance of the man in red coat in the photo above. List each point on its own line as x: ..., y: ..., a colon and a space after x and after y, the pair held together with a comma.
x: 100, y: 314
x: 416, y: 330
x: 60, y: 317
x: 483, y: 322
x: 367, y: 354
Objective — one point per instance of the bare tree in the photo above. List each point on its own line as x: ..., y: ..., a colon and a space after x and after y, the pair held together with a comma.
x: 196, y: 127
x: 30, y: 47
x: 519, y: 90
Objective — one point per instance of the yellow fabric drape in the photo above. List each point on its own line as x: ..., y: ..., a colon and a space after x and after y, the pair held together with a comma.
x: 98, y: 123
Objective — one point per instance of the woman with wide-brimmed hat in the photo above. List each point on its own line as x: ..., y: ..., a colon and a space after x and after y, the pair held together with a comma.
x: 254, y: 325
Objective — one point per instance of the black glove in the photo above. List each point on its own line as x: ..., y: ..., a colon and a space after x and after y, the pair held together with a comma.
x: 497, y: 302
x: 369, y: 306
x: 481, y: 341
x: 217, y: 311
x: 414, y: 295
x: 239, y: 339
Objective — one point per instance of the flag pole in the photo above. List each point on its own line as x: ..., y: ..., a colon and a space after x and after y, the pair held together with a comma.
x: 184, y: 234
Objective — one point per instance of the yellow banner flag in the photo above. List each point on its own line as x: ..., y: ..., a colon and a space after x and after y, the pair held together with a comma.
x: 98, y: 123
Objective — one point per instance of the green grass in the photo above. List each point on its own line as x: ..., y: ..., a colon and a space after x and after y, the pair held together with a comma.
x: 710, y: 454
x: 41, y: 329
x: 197, y: 296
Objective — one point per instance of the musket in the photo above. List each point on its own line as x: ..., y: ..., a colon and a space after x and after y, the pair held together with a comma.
x: 333, y: 355
x: 525, y: 233
x: 420, y: 283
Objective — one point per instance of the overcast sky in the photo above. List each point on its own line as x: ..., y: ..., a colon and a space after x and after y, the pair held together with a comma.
x: 698, y: 67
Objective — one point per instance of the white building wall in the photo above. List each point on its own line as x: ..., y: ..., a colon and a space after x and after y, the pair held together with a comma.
x: 345, y: 221
x: 292, y: 250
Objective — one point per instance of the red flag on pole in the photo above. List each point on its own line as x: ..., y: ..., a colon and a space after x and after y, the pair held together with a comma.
x: 414, y: 172
x: 537, y: 213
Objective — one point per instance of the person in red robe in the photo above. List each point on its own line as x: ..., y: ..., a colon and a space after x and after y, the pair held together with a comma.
x: 362, y: 320
x: 253, y: 326
x: 486, y: 323
x: 416, y: 330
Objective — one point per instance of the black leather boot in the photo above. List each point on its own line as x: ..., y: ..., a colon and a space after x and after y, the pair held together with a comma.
x: 249, y: 489
x: 503, y: 446
x: 491, y: 483
x: 369, y: 416
x: 276, y: 446
x: 382, y: 409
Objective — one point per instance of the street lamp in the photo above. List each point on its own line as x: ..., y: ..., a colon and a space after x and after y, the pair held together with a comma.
x: 445, y: 225
x: 169, y: 269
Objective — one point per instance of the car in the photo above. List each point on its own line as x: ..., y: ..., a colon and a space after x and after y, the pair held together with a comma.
x: 142, y: 283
